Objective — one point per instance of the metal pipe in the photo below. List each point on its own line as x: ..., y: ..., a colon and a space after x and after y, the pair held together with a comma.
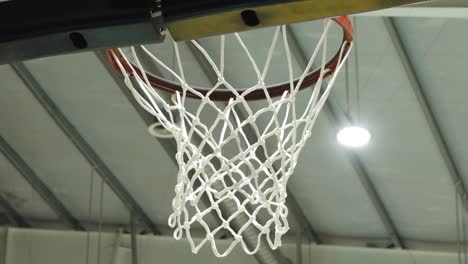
x: 133, y: 234
x: 434, y: 127
x: 116, y: 246
x: 38, y: 185
x: 299, y: 238
x: 82, y: 145
x: 12, y: 215
x: 356, y: 161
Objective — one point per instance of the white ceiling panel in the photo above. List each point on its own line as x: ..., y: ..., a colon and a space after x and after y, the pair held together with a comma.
x: 92, y: 101
x: 16, y: 190
x: 34, y: 135
x: 402, y: 159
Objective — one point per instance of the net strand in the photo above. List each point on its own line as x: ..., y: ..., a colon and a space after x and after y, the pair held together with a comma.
x: 247, y: 190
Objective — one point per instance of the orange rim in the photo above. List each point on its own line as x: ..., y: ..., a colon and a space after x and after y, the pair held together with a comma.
x: 273, y: 91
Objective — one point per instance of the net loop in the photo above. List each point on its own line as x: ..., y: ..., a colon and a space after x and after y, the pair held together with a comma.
x: 245, y: 191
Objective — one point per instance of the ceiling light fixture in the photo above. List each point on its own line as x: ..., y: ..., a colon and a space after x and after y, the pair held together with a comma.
x: 353, y: 136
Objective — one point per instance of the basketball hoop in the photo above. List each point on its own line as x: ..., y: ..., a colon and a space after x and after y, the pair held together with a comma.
x: 255, y: 187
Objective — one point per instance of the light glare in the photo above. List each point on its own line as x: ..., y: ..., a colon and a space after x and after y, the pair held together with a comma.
x: 354, y: 137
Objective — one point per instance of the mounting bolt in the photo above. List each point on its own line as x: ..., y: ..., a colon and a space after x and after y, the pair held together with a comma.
x: 78, y: 40
x: 250, y: 18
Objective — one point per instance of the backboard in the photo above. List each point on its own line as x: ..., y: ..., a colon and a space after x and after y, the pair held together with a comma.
x: 31, y: 29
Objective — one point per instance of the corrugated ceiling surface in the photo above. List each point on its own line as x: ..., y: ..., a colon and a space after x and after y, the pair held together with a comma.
x: 95, y: 105
x: 402, y: 159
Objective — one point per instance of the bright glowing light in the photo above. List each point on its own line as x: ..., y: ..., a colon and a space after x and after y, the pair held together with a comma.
x: 354, y: 137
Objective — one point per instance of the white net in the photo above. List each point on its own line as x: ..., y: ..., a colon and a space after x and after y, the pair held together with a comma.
x: 245, y: 192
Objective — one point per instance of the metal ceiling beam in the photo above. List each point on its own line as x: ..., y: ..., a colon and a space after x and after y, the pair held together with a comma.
x: 4, y: 220
x: 431, y: 120
x: 339, y: 120
x: 11, y: 214
x: 39, y: 186
x: 291, y: 201
x: 83, y: 146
